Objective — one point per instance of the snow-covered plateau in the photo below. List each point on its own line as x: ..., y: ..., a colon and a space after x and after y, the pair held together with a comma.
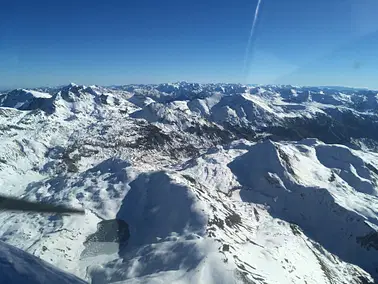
x: 191, y: 183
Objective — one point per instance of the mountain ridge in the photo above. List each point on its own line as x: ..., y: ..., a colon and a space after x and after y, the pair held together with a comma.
x: 262, y: 184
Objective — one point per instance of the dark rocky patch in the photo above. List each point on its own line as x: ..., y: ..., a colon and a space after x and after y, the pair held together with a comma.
x: 286, y: 160
x: 113, y: 230
x: 295, y: 229
x: 372, y: 168
x: 369, y: 241
x: 332, y: 178
x: 233, y: 219
x: 216, y: 221
x: 152, y: 138
x: 214, y: 133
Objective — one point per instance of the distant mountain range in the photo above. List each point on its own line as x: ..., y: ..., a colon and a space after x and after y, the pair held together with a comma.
x: 191, y: 183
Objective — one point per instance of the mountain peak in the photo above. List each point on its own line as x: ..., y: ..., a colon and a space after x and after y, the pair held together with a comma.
x: 218, y: 175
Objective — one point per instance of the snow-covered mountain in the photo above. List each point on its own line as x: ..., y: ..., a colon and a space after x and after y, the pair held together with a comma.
x: 192, y: 183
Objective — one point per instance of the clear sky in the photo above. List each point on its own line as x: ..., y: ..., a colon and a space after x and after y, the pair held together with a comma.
x: 301, y: 42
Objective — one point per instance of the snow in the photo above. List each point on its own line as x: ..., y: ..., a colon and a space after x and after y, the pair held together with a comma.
x: 201, y: 204
x: 25, y: 100
x: 155, y: 207
x: 306, y: 187
x: 258, y: 101
x: 17, y: 266
x: 37, y: 94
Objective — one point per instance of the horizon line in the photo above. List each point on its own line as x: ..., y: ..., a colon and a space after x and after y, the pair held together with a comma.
x: 2, y: 89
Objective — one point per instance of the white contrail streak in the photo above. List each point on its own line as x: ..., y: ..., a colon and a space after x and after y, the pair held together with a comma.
x: 247, y: 50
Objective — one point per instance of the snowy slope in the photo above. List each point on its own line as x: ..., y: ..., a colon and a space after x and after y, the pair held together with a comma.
x: 17, y: 266
x: 26, y: 100
x: 193, y: 183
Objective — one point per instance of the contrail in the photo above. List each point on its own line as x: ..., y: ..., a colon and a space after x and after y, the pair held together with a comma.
x: 247, y: 50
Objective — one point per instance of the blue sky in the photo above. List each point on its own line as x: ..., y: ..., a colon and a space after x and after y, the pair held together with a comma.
x: 46, y: 43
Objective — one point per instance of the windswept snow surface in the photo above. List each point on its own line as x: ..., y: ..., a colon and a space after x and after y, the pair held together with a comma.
x: 17, y: 266
x: 191, y: 183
